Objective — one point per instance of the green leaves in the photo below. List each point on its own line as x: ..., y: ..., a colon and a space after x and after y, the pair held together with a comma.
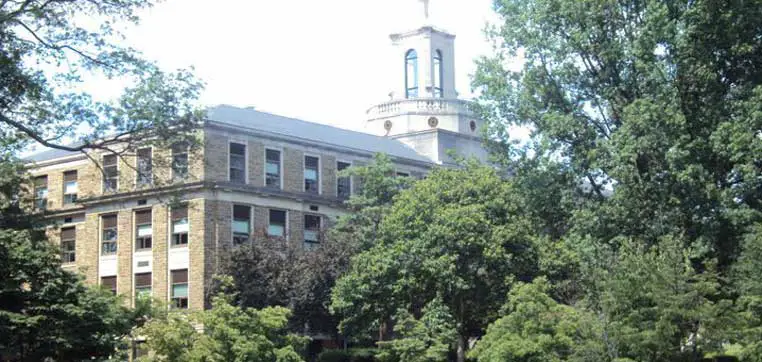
x: 223, y: 333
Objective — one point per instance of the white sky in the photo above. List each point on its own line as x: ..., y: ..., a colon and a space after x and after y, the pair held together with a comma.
x: 319, y: 60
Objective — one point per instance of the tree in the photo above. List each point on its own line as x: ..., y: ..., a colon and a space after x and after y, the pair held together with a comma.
x: 229, y: 333
x: 427, y: 339
x: 274, y: 272
x: 652, y: 108
x: 45, y: 311
x: 536, y: 328
x: 458, y: 235
x: 47, y: 51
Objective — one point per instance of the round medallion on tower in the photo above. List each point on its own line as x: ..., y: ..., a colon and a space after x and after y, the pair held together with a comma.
x: 433, y: 122
x: 388, y: 125
x: 472, y: 125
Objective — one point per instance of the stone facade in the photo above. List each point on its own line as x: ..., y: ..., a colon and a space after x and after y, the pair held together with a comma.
x: 209, y: 197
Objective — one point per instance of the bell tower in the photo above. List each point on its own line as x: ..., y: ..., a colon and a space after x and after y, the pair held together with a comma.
x: 424, y: 110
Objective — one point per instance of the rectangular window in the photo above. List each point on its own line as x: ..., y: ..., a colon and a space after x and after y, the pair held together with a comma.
x: 179, y: 227
x: 241, y: 224
x: 144, y: 167
x: 70, y: 187
x: 237, y: 163
x: 179, y: 161
x: 68, y: 245
x: 311, y: 175
x: 277, y: 223
x: 41, y: 192
x: 108, y: 235
x: 109, y: 283
x: 143, y: 232
x: 311, y: 230
x: 143, y: 285
x: 272, y: 168
x: 402, y: 174
x: 179, y: 293
x: 343, y: 183
x: 110, y: 173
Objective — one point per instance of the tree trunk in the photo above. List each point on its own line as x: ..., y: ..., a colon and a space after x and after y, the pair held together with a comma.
x: 461, y: 349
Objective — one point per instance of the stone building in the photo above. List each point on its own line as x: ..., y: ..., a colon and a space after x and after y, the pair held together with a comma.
x: 254, y: 173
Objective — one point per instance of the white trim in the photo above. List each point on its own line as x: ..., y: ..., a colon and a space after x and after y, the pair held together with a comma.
x: 351, y: 178
x: 319, y: 171
x: 137, y: 168
x: 103, y: 174
x: 245, y: 158
x: 286, y: 233
x: 281, y: 169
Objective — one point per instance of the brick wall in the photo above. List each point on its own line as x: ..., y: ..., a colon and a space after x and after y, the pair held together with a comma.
x: 197, y: 280
x: 295, y: 226
x: 88, y: 247
x: 160, y: 230
x: 215, y: 157
x: 256, y: 166
x: 328, y: 175
x: 124, y: 239
x: 293, y: 170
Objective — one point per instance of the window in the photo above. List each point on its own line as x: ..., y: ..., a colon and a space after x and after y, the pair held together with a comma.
x: 108, y: 235
x: 238, y: 163
x: 311, y: 230
x: 179, y: 293
x: 411, y: 74
x: 68, y: 245
x: 143, y: 285
x: 402, y: 174
x: 70, y: 187
x: 241, y: 224
x: 311, y: 175
x: 179, y: 161
x: 144, y: 167
x: 343, y: 183
x: 277, y: 223
x: 179, y: 227
x: 110, y: 173
x: 109, y: 283
x: 272, y: 168
x: 41, y: 192
x: 438, y: 74
x: 143, y: 232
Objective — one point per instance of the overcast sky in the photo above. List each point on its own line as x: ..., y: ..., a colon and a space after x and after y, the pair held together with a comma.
x: 321, y: 60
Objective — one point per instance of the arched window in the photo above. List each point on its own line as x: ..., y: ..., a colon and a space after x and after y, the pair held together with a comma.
x: 438, y: 74
x: 411, y: 74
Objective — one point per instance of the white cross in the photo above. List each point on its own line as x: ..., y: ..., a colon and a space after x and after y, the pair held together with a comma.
x: 425, y: 8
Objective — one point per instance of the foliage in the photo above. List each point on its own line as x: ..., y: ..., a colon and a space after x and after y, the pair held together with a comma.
x: 536, y: 328
x: 348, y: 355
x: 428, y: 339
x: 375, y: 188
x: 458, y: 235
x: 45, y: 311
x: 651, y: 110
x: 227, y: 333
x: 49, y: 48
x: 273, y: 272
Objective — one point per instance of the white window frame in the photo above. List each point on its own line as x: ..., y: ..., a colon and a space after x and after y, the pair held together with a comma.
x: 137, y: 168
x: 285, y: 223
x: 232, y: 220
x: 172, y: 175
x: 351, y: 181
x: 245, y: 158
x: 319, y: 172
x: 103, y: 183
x: 63, y: 201
x: 282, y: 169
x: 100, y: 232
x: 171, y: 233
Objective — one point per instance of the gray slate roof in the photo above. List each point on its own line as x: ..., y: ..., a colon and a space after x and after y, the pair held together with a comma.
x: 248, y: 118
x: 310, y: 131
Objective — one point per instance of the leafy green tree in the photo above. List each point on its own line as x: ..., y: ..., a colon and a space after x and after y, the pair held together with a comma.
x: 459, y: 235
x: 428, y: 339
x: 45, y: 311
x: 271, y: 272
x: 225, y: 332
x: 47, y: 51
x: 749, y: 287
x: 536, y: 328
